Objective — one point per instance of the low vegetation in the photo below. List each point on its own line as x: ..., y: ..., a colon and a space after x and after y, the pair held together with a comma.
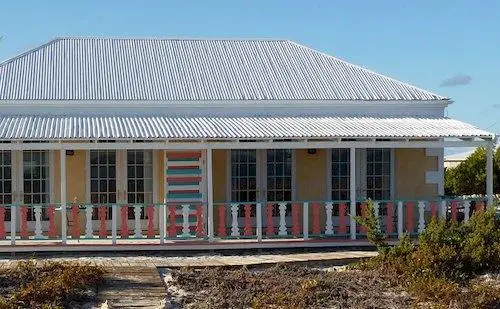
x: 48, y: 285
x: 451, y: 266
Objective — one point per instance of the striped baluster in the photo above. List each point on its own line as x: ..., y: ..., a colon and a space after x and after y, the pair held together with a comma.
x: 75, y: 230
x: 316, y: 226
x: 221, y: 231
x: 248, y: 231
x: 103, y: 214
x: 172, y: 231
x: 24, y: 222
x: 3, y: 232
x: 270, y: 224
x: 296, y: 220
x: 342, y: 219
x: 51, y: 210
x: 389, y: 220
x: 124, y: 232
x: 362, y: 229
x: 200, y: 230
x: 454, y: 210
x: 409, y: 217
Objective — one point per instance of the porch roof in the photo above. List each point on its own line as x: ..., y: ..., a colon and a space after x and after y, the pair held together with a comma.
x: 230, y: 128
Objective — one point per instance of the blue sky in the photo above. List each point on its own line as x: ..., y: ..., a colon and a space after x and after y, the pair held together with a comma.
x: 426, y: 43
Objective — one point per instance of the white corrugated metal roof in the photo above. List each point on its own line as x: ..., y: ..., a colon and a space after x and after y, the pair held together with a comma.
x: 184, y: 69
x: 45, y: 128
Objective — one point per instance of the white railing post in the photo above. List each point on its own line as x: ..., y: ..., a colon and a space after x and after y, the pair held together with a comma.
x: 235, y: 231
x: 88, y: 222
x: 282, y: 228
x: 137, y: 221
x: 400, y: 219
x: 114, y: 214
x: 13, y: 224
x: 421, y: 216
x: 353, y: 192
x: 186, y: 232
x: 305, y: 221
x: 466, y: 210
x: 329, y: 221
x: 162, y: 223
x: 210, y: 196
x: 258, y: 213
x: 64, y: 224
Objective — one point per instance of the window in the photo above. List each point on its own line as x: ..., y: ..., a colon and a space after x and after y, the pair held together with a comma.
x: 139, y: 179
x: 244, y: 175
x: 378, y: 174
x: 36, y: 180
x: 340, y: 166
x: 279, y: 178
x: 103, y: 176
x: 6, y: 181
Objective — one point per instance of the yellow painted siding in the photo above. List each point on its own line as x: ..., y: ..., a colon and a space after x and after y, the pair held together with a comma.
x: 410, y: 168
x: 311, y: 175
x: 219, y: 158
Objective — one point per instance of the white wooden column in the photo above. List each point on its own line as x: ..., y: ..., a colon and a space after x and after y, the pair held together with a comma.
x: 62, y: 159
x: 489, y: 173
x: 210, y: 195
x: 353, y: 192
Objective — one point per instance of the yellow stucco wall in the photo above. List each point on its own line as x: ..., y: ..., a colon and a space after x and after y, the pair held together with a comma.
x: 410, y: 168
x: 219, y: 172
x: 310, y: 175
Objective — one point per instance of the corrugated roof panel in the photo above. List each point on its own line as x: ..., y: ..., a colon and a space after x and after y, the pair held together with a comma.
x: 157, y: 127
x: 191, y: 70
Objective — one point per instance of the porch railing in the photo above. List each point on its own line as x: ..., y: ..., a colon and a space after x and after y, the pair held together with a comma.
x: 301, y: 220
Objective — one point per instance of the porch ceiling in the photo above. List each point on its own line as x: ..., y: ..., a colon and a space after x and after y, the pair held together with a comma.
x: 220, y: 128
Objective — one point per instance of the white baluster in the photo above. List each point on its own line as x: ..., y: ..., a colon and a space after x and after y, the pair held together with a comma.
x: 421, y: 216
x: 114, y: 220
x: 185, y: 221
x: 235, y: 231
x: 137, y: 221
x: 400, y: 219
x: 329, y: 221
x: 282, y: 229
x: 376, y: 207
x: 443, y: 210
x: 88, y: 223
x: 305, y: 221
x: 37, y: 209
x: 466, y: 210
x: 258, y: 214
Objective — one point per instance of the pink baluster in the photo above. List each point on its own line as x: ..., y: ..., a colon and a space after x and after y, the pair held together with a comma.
x: 270, y: 223
x: 247, y: 230
x: 3, y: 234
x: 221, y: 231
x: 316, y: 227
x: 362, y: 229
x: 389, y: 219
x: 342, y: 219
x: 200, y: 231
x: 409, y: 217
x: 75, y: 231
x: 52, y: 221
x: 24, y: 222
x: 150, y: 211
x: 454, y: 210
x: 124, y: 232
x: 433, y: 209
x: 172, y: 230
x: 103, y: 214
x: 296, y: 219
x: 479, y: 207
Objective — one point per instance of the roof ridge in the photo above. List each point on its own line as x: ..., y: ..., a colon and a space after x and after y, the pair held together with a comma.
x: 159, y: 38
x: 369, y: 71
